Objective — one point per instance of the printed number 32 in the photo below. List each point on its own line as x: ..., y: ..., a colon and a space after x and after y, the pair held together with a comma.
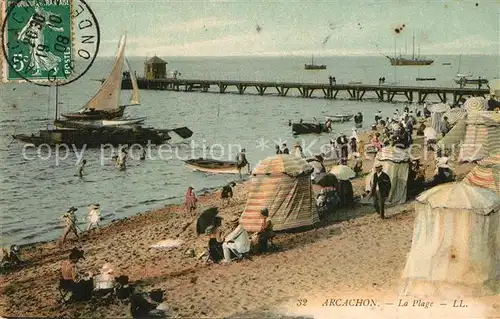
x: 18, y: 60
x: 301, y: 302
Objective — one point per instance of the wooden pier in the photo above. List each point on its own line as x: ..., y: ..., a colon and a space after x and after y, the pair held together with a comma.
x: 383, y: 92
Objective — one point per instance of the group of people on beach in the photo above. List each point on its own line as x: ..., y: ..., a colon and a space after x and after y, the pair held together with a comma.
x: 70, y: 221
x: 232, y: 242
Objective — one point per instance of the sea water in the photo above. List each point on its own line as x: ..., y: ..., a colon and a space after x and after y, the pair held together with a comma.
x: 35, y: 192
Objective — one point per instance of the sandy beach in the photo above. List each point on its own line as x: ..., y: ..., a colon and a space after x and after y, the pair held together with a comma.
x: 359, y: 255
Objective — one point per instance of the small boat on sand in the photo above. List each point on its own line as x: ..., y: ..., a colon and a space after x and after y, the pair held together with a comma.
x: 212, y: 166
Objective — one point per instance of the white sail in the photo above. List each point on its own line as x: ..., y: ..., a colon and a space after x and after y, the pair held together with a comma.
x: 134, y: 98
x: 108, y: 96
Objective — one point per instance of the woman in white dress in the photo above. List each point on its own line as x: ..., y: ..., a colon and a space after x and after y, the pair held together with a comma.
x: 94, y: 215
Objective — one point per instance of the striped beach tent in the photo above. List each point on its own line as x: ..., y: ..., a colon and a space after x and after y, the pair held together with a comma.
x: 476, y: 136
x: 455, y: 115
x: 475, y: 103
x: 486, y: 174
x: 482, y: 136
x: 282, y: 184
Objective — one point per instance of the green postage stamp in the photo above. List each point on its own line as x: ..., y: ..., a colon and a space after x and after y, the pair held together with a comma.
x: 37, y: 40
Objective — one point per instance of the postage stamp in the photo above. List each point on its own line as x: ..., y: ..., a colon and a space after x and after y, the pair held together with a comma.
x: 40, y: 39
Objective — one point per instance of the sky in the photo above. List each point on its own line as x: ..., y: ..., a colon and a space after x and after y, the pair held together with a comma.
x: 298, y: 28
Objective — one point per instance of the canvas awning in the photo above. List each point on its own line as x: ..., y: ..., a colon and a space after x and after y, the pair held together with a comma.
x: 461, y: 196
x: 283, y: 164
x: 486, y: 174
x: 393, y: 154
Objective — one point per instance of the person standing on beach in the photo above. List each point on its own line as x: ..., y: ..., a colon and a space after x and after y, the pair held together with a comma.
x: 94, y: 215
x: 190, y: 200
x: 69, y: 219
x: 241, y: 158
x: 379, y: 189
x: 80, y: 169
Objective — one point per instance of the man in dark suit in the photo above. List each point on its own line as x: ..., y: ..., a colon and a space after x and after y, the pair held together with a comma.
x: 380, y: 189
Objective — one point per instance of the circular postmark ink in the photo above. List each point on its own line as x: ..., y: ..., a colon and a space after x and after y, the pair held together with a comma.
x: 49, y: 41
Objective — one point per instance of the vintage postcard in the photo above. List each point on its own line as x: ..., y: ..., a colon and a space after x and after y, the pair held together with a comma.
x: 249, y: 159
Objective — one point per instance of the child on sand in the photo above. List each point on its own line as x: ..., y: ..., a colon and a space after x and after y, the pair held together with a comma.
x: 190, y: 200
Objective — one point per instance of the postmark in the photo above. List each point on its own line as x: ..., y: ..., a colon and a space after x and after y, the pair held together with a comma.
x: 47, y: 41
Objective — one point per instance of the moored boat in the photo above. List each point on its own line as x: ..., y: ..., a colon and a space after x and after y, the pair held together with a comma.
x: 313, y: 66
x: 341, y: 117
x: 96, y: 136
x: 105, y: 105
x: 465, y: 80
x: 212, y: 165
x: 94, y: 133
x: 308, y: 128
x: 119, y: 122
x: 92, y: 114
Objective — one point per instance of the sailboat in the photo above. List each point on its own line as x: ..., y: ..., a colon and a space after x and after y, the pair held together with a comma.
x: 81, y: 134
x: 464, y: 79
x: 405, y: 61
x: 313, y: 66
x: 105, y: 105
x: 134, y: 100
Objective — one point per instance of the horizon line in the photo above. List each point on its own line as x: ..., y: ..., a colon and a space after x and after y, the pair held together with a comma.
x: 293, y: 55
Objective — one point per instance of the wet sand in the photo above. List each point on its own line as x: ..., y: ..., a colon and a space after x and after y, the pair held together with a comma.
x: 357, y: 253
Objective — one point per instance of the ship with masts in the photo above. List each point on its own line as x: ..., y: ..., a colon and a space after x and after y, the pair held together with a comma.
x: 407, y: 61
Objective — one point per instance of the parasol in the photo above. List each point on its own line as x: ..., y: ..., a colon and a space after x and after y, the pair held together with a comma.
x: 206, y: 219
x: 475, y: 103
x: 327, y: 180
x: 342, y: 172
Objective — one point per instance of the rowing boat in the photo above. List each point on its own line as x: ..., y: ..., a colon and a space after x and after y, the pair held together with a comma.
x: 212, y: 166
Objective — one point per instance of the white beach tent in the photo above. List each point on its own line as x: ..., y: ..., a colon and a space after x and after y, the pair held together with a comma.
x: 437, y: 111
x: 456, y: 243
x: 395, y: 163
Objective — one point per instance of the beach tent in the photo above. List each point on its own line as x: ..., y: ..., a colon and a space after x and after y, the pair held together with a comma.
x: 282, y: 184
x: 456, y: 242
x: 395, y: 163
x: 476, y: 136
x: 437, y: 111
x: 486, y: 174
x: 475, y: 103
